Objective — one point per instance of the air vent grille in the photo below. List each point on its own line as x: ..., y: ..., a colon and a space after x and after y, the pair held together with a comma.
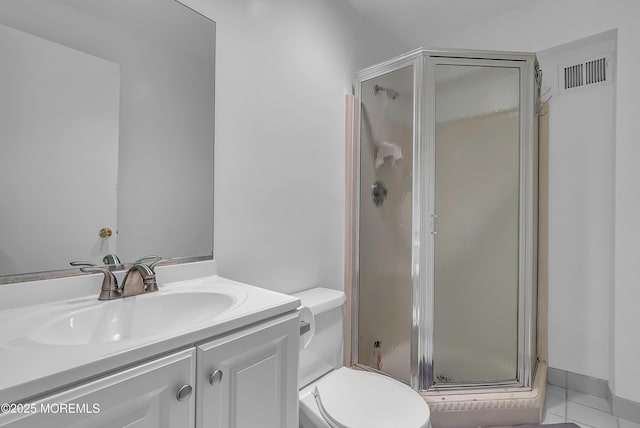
x: 573, y: 76
x: 592, y: 71
x: 596, y: 70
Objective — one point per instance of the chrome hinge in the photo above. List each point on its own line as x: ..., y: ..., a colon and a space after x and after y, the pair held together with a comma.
x: 434, y: 224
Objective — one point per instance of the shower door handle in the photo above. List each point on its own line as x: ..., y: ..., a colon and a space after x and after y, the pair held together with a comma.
x: 434, y: 224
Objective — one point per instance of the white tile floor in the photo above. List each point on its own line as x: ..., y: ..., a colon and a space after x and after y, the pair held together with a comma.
x: 587, y: 411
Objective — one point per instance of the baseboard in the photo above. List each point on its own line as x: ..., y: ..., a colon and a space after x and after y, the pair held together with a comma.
x: 620, y: 407
x: 578, y: 382
x: 626, y: 409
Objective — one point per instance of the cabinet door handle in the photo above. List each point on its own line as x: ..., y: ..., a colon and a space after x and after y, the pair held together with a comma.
x: 215, y: 377
x: 184, y: 392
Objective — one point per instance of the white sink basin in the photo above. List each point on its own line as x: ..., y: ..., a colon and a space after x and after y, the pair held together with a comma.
x: 130, y: 318
x: 60, y: 332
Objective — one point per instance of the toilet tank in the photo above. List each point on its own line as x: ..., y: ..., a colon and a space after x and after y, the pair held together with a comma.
x: 324, y: 351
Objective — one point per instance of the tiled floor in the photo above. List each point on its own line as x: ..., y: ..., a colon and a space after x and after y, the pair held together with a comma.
x: 587, y: 411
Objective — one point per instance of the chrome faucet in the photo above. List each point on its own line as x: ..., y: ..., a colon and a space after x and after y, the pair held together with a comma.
x: 140, y: 278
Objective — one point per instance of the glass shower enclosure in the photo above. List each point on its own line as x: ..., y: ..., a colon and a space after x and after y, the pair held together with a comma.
x: 446, y: 219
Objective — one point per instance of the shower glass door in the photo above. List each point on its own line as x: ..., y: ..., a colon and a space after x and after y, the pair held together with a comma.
x: 385, y: 203
x: 475, y: 222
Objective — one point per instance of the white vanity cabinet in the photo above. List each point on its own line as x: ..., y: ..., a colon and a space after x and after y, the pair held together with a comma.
x: 249, y: 379
x: 144, y: 396
x: 246, y: 378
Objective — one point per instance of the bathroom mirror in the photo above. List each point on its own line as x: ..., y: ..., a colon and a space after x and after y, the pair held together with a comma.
x: 107, y: 126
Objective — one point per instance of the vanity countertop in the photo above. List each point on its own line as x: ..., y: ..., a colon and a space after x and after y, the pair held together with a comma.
x: 47, y: 345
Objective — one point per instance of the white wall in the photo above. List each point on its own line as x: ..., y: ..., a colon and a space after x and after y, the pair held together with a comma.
x: 282, y: 70
x: 581, y: 174
x: 546, y: 24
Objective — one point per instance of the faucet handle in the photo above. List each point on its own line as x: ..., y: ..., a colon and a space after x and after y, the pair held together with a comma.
x: 82, y: 263
x: 152, y: 259
x: 109, y: 289
x: 153, y: 265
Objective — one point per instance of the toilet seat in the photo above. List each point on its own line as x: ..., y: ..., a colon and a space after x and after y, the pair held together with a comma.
x: 349, y: 398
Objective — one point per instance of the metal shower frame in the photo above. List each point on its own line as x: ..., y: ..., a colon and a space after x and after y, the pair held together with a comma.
x: 422, y: 263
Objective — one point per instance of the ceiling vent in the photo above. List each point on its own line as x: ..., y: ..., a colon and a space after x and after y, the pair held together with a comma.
x: 590, y: 72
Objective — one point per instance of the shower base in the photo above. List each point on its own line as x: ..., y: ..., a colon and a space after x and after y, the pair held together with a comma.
x: 490, y: 407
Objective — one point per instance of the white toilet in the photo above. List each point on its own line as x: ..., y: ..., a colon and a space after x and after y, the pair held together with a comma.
x: 333, y: 396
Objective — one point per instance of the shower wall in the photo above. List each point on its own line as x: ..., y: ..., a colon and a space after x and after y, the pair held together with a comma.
x: 385, y: 287
x: 476, y: 291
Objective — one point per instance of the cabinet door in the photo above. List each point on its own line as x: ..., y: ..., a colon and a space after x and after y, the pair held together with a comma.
x: 249, y: 379
x: 141, y: 397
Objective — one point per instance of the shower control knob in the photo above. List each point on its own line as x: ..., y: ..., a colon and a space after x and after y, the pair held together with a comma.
x: 215, y: 377
x: 378, y: 193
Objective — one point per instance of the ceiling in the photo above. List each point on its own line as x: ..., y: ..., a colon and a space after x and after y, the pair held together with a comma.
x: 420, y: 23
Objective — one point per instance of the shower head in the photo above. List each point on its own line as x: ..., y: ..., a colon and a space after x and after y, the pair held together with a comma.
x: 390, y: 92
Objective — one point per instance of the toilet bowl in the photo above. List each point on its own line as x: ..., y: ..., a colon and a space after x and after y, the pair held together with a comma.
x: 333, y: 396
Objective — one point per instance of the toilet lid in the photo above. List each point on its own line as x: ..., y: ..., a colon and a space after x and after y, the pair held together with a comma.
x: 349, y: 398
